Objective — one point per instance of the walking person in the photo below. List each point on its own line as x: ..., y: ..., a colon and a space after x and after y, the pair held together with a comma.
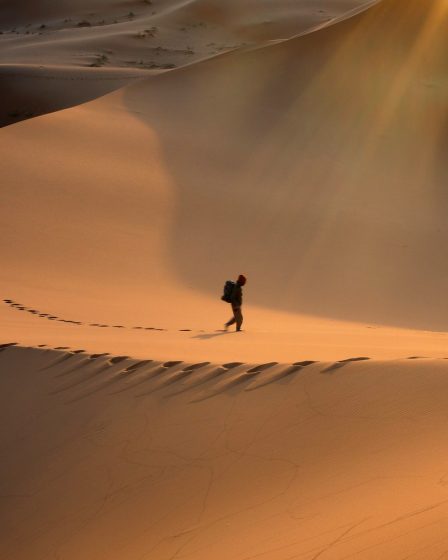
x: 233, y: 294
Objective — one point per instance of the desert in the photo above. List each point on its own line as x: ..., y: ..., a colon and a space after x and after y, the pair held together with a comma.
x: 151, y: 151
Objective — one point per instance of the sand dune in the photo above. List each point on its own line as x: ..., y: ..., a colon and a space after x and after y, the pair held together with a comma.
x: 313, y: 160
x: 86, y: 41
x: 196, y: 465
x: 333, y: 204
x: 30, y: 90
x: 328, y: 156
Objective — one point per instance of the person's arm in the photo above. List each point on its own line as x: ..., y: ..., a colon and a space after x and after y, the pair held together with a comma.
x: 237, y: 296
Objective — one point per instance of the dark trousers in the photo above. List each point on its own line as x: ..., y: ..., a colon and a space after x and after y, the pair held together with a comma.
x: 237, y: 318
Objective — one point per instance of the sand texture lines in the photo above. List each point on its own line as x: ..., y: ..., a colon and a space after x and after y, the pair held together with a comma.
x: 195, y: 459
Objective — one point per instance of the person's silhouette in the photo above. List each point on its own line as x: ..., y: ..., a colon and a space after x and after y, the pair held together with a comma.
x: 236, y: 301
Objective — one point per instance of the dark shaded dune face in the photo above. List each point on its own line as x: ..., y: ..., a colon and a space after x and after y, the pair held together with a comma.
x: 20, y: 12
x: 31, y: 92
x: 84, y: 35
x: 335, y: 198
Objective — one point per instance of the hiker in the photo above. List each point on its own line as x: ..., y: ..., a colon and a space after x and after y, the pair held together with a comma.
x: 235, y: 298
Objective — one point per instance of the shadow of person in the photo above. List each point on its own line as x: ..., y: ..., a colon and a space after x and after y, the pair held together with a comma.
x: 208, y: 336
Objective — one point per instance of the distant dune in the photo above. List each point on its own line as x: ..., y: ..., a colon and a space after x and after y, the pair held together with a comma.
x: 300, y: 143
x: 101, y: 46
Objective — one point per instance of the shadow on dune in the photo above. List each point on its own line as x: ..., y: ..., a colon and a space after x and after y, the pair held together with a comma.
x: 30, y: 91
x: 440, y: 178
x: 309, y: 165
x: 208, y: 336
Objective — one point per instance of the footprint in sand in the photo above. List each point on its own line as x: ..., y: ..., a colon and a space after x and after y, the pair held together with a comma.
x: 232, y: 365
x: 236, y: 379
x: 12, y: 303
x: 196, y: 366
x: 96, y: 356
x: 261, y: 367
x: 7, y: 345
x: 137, y: 365
x: 283, y: 374
x: 177, y: 376
x: 171, y: 364
x: 342, y: 363
x: 118, y: 359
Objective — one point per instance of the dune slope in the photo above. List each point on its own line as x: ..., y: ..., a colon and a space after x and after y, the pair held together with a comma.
x: 335, y: 199
x: 315, y: 165
x: 112, y: 458
x: 44, y: 45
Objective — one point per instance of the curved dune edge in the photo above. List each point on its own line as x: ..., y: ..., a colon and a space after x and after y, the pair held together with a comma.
x: 32, y: 90
x: 266, y: 338
x: 143, y: 377
x: 368, y: 4
x: 56, y: 49
x: 178, y: 376
x: 107, y: 457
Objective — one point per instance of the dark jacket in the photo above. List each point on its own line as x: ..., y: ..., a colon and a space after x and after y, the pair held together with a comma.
x: 237, y: 296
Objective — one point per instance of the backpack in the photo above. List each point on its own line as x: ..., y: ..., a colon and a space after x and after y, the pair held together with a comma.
x: 228, y: 291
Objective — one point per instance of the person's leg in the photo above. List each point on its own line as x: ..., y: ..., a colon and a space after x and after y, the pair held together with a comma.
x: 238, y: 318
x: 231, y: 321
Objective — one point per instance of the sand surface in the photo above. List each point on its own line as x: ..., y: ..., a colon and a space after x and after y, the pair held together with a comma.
x: 100, y: 46
x: 301, y: 143
x: 112, y: 457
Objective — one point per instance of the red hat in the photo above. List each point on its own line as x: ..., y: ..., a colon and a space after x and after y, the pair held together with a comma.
x: 241, y: 279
